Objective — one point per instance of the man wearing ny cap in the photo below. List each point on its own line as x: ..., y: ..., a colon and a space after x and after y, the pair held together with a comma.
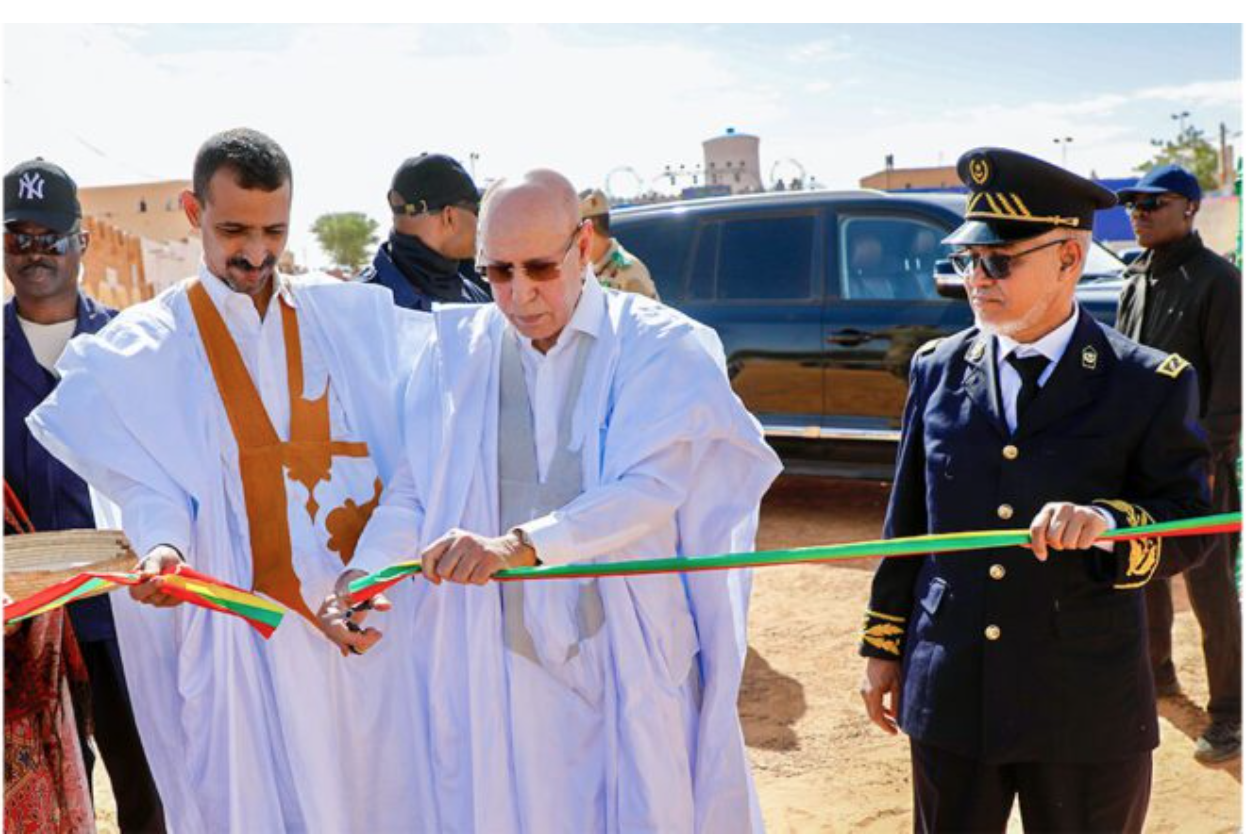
x: 1022, y: 673
x: 1181, y: 297
x: 435, y: 204
x: 43, y: 247
x: 615, y: 267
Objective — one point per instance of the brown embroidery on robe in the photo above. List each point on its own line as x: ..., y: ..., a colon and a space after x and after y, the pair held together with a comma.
x: 262, y: 456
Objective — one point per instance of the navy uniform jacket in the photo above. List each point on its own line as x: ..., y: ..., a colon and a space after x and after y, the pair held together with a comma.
x: 1006, y: 659
x: 385, y: 272
x: 55, y: 497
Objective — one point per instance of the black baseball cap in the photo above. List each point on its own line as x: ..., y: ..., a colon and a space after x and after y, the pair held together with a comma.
x: 41, y: 192
x: 1014, y: 196
x: 429, y: 182
x: 1169, y: 178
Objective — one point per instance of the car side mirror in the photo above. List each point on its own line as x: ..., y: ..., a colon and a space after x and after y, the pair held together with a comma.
x: 947, y: 282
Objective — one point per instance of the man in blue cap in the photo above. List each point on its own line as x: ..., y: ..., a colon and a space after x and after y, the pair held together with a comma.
x: 43, y: 247
x: 1022, y: 673
x: 1181, y: 297
x: 435, y: 204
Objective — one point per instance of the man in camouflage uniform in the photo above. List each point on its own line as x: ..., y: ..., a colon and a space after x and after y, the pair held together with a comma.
x: 615, y: 268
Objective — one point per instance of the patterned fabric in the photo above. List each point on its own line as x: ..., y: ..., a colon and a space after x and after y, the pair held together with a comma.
x: 45, y: 781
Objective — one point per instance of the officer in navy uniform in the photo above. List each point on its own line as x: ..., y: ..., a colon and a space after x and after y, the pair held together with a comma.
x: 1022, y: 673
x: 430, y: 249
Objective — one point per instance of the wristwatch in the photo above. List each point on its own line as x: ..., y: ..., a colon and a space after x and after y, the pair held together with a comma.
x: 526, y: 541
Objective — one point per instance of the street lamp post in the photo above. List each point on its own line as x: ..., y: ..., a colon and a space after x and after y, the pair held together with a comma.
x: 1063, y: 143
x: 1180, y: 118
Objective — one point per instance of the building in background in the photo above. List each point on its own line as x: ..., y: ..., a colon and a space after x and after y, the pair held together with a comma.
x: 141, y: 242
x: 912, y: 179
x: 152, y: 210
x: 733, y: 160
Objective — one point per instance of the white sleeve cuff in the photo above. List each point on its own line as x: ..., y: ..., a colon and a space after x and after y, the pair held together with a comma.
x: 1106, y: 515
x: 552, y: 539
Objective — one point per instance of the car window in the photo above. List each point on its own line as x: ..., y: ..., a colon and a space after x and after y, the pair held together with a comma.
x: 662, y: 245
x: 768, y: 258
x: 1100, y: 263
x: 705, y: 263
x: 889, y: 259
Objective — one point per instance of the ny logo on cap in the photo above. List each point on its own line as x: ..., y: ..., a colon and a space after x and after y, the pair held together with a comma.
x: 30, y: 186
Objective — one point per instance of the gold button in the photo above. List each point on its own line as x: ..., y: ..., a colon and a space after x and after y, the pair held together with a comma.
x: 1011, y: 452
x: 992, y: 633
x: 998, y: 572
x: 1005, y: 511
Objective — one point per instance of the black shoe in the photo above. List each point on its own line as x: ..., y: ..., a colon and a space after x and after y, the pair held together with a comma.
x: 1221, y: 741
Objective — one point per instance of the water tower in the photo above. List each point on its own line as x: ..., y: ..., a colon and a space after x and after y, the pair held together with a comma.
x: 733, y: 160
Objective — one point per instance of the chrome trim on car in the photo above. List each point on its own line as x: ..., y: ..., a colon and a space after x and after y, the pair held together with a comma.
x: 833, y: 433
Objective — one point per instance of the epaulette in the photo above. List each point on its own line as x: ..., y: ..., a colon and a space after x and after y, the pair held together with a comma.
x: 928, y: 347
x: 1172, y: 366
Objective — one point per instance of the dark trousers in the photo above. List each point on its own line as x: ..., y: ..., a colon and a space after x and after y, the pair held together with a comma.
x: 138, y: 803
x: 1214, y: 599
x: 953, y: 794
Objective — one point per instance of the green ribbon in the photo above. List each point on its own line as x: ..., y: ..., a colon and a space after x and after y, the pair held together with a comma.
x: 364, y: 587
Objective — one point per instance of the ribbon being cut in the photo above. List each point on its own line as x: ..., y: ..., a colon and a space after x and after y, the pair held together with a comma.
x: 109, y: 552
x: 265, y: 615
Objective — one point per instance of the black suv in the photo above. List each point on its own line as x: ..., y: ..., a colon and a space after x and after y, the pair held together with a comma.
x: 821, y: 299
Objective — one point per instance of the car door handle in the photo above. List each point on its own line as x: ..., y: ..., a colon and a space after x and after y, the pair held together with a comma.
x: 849, y: 338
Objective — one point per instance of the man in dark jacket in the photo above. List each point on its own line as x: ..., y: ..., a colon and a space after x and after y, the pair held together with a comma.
x: 435, y: 205
x: 43, y: 247
x: 1180, y: 297
x: 1021, y: 673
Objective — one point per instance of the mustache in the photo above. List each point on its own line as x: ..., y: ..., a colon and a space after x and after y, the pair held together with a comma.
x: 243, y: 264
x: 34, y: 265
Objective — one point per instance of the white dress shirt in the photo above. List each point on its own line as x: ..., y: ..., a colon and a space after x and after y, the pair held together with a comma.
x: 548, y: 375
x: 1052, y: 345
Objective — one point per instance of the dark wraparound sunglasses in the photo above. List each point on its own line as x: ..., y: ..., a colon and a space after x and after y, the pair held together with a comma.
x: 43, y: 244
x: 539, y: 270
x: 1148, y: 205
x: 995, y: 266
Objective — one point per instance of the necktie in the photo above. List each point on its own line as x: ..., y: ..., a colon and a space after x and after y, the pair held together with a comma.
x: 1030, y: 368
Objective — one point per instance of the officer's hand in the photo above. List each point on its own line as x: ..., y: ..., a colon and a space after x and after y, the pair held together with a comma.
x: 1065, y: 526
x: 464, y: 557
x: 880, y: 689
x: 342, y: 623
x: 161, y: 560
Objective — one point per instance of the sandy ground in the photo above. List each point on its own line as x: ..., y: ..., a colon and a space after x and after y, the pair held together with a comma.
x: 819, y: 765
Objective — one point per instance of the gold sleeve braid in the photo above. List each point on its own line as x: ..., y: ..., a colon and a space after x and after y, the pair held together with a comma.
x: 883, y: 632
x: 1144, y: 552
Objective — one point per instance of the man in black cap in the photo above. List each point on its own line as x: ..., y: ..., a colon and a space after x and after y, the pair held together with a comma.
x: 435, y: 205
x: 1181, y: 297
x: 43, y: 247
x: 1022, y: 672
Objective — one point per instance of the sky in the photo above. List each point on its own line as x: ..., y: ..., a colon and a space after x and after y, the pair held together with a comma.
x: 126, y: 103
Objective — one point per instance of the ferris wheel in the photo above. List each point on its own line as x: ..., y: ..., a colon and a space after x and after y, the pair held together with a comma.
x: 624, y: 182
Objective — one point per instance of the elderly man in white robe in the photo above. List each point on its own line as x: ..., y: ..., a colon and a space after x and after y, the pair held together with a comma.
x: 244, y: 422
x: 569, y: 424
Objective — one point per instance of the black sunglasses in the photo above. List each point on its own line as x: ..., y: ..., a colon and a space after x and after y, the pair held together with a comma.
x: 995, y: 266
x: 43, y: 244
x: 1148, y: 205
x: 539, y: 270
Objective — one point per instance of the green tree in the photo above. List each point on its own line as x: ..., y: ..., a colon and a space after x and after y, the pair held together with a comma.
x: 1192, y: 150
x: 346, y: 237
